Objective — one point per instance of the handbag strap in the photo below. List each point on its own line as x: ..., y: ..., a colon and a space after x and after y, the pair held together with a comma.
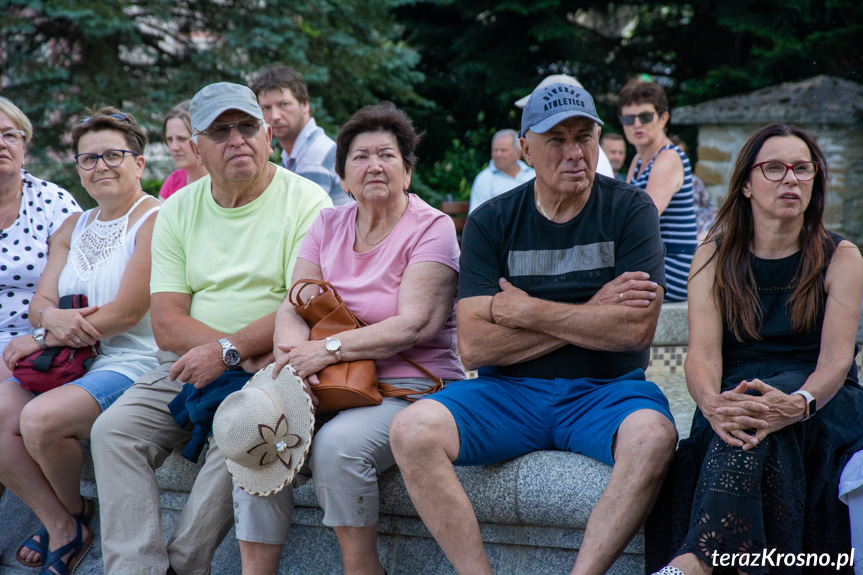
x: 385, y: 388
x: 388, y: 390
x: 42, y: 362
x: 302, y: 283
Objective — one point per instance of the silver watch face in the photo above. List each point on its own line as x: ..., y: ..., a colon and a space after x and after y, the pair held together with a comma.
x: 38, y: 332
x: 231, y: 357
x: 333, y: 345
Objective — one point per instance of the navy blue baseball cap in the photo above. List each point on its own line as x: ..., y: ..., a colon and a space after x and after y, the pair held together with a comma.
x: 551, y: 105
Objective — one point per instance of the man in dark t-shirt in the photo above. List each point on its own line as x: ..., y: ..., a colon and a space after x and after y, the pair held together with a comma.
x: 559, y: 294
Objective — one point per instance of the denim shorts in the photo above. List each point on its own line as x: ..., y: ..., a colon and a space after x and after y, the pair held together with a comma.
x: 502, y: 417
x: 104, y: 385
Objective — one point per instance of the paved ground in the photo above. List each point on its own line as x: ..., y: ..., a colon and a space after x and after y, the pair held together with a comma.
x: 682, y: 406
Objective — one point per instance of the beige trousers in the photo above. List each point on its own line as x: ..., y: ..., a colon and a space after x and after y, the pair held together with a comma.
x: 130, y: 440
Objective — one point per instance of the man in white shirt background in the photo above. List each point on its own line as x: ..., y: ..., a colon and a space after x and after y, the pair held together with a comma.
x: 504, y: 172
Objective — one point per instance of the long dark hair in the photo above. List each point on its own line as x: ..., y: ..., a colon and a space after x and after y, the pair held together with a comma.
x: 734, y: 230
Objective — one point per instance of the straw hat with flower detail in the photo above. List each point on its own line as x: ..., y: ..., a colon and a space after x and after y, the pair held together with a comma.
x: 265, y: 431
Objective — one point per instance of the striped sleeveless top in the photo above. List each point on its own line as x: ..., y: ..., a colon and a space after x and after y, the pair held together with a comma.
x: 677, y: 227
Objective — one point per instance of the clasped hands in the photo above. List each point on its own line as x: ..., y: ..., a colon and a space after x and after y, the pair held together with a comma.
x: 67, y: 326
x: 630, y: 289
x: 734, y: 413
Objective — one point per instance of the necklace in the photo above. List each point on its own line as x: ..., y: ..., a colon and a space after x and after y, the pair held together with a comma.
x: 357, y: 226
x: 539, y: 206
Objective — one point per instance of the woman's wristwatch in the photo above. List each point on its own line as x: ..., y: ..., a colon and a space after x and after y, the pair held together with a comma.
x: 39, y: 335
x: 334, y: 346
x: 810, y: 403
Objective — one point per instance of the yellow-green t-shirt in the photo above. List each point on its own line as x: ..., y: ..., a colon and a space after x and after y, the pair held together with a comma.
x: 236, y: 263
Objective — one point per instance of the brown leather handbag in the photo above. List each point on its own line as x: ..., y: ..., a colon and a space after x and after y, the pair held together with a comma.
x: 348, y: 383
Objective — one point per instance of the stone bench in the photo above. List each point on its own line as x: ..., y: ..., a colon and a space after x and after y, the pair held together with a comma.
x: 532, y: 512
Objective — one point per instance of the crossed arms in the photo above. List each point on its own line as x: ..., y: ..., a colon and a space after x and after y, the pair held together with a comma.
x: 513, y: 327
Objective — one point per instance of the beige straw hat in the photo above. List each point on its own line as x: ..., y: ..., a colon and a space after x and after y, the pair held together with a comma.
x: 265, y: 431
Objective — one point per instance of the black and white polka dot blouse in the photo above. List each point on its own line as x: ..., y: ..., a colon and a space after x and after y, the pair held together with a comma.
x: 24, y: 250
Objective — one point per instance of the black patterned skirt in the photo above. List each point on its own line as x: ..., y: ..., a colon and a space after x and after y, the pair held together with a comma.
x: 779, y: 498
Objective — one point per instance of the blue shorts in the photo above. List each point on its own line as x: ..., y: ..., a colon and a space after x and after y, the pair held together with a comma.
x: 104, y: 385
x: 501, y: 417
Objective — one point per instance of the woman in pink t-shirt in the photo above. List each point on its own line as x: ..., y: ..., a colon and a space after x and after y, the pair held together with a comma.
x: 394, y: 261
x: 177, y: 135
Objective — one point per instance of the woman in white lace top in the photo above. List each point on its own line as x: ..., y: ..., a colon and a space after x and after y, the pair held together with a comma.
x: 104, y: 254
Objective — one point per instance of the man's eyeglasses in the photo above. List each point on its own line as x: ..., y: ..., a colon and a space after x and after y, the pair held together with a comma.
x: 13, y: 137
x: 118, y: 117
x: 644, y: 118
x: 248, y: 128
x: 775, y: 171
x: 112, y: 159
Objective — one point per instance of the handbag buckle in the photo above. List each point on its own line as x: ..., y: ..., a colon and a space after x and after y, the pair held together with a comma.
x: 72, y: 355
x: 309, y: 302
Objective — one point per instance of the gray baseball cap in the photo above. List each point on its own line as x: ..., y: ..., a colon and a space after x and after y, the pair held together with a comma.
x: 215, y: 99
x: 551, y: 105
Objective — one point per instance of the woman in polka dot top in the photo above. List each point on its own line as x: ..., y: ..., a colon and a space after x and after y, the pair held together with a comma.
x: 31, y: 210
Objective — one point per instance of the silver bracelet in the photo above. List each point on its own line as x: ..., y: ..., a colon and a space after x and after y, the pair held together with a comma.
x: 39, y: 313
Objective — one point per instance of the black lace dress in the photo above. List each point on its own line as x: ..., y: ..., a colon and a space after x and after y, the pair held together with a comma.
x: 782, y: 494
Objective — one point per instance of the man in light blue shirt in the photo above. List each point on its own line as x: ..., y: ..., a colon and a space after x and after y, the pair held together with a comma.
x: 306, y: 149
x: 504, y: 172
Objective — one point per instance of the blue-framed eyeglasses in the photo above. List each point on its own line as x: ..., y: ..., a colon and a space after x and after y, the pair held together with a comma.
x: 112, y: 159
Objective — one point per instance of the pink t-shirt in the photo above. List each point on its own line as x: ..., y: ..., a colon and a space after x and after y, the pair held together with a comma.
x: 175, y: 181
x: 369, y: 282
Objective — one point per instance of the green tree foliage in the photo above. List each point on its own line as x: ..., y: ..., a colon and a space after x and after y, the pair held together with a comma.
x: 479, y: 56
x: 736, y: 46
x: 60, y: 57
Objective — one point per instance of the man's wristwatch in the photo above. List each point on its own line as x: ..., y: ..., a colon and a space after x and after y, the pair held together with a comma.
x: 810, y: 403
x: 334, y: 346
x: 230, y: 354
x: 39, y: 335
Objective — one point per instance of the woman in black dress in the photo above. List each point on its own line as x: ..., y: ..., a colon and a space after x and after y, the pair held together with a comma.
x: 774, y: 305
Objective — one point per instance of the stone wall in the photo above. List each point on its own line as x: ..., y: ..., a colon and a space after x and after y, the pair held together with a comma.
x: 719, y: 145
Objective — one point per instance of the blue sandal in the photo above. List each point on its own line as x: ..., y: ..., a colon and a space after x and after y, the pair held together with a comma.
x: 79, y: 548
x: 88, y: 510
x: 40, y: 547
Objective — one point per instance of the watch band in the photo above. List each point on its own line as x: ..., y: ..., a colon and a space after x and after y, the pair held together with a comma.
x: 810, y: 403
x: 230, y: 354
x: 39, y: 335
x: 337, y: 349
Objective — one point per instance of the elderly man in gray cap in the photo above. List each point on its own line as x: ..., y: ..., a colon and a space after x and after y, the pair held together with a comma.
x: 559, y: 295
x: 224, y: 249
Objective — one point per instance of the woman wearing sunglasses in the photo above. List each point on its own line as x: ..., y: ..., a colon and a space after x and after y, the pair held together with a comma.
x: 662, y: 170
x: 774, y: 306
x: 104, y: 254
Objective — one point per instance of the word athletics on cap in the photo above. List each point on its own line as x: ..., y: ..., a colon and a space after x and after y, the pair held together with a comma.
x: 556, y: 97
